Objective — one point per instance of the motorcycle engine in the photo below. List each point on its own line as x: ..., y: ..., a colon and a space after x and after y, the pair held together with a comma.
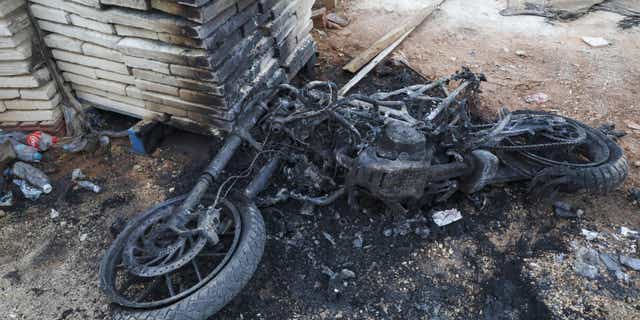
x: 394, y: 166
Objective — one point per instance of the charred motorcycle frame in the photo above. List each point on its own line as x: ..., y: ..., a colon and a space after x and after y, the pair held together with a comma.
x: 189, y: 256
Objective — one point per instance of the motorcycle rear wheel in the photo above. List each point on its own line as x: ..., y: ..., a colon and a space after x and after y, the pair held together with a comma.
x: 603, y: 170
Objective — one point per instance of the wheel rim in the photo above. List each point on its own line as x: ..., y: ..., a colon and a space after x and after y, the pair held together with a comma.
x: 159, y: 289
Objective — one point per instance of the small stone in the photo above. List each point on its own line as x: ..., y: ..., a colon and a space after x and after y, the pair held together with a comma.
x: 537, y: 98
x: 566, y: 211
x: 83, y: 237
x: 172, y: 189
x: 630, y: 262
x: 622, y: 276
x: 637, y: 164
x: 347, y: 274
x: 596, y: 42
x: 387, y: 232
x: 446, y: 217
x: 590, y: 235
x: 358, y: 242
x: 521, y: 53
x: 2, y: 213
x: 54, y: 214
x: 632, y: 125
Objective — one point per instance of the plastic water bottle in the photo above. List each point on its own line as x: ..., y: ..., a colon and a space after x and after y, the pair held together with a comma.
x: 31, y: 174
x: 15, y: 136
x: 28, y: 191
x: 41, y: 140
x: 27, y: 153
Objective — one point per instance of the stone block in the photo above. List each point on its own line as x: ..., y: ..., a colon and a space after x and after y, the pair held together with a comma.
x: 90, y: 61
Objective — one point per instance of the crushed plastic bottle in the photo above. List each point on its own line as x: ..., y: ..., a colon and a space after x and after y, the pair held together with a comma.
x: 27, y: 153
x: 6, y: 200
x: 28, y: 191
x: 89, y: 186
x: 31, y: 174
x: 75, y: 146
x: 41, y: 140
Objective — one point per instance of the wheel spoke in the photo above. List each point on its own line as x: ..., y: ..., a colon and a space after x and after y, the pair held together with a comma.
x: 195, y: 267
x: 167, y: 279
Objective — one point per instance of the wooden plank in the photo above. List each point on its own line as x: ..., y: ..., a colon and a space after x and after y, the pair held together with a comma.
x: 390, y: 38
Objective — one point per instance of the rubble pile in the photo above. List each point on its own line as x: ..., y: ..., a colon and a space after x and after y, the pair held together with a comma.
x: 29, y: 97
x: 195, y: 60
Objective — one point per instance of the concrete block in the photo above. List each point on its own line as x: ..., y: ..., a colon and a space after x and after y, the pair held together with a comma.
x: 6, y: 94
x: 156, y: 87
x: 34, y: 115
x: 50, y: 14
x: 159, y: 51
x: 45, y: 92
x: 21, y: 52
x: 8, y: 6
x: 14, y: 23
x: 110, y: 95
x: 15, y: 40
x: 102, y: 27
x: 15, y: 68
x: 101, y: 74
x: 34, y: 80
x: 57, y: 41
x: 105, y: 40
x: 178, y: 82
x: 90, y: 61
x: 77, y: 69
x: 110, y: 86
x: 23, y: 104
x: 141, y: 63
x: 134, y: 4
x: 97, y: 51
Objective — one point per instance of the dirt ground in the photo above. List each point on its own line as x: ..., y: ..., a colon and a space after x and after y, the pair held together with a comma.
x: 508, y: 258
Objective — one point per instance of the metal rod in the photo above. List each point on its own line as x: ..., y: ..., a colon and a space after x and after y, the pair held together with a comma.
x: 259, y: 183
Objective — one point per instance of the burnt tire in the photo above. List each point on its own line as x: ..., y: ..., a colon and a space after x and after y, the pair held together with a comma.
x: 220, y: 290
x: 601, y: 177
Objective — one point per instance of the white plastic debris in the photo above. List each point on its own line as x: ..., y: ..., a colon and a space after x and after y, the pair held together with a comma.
x: 89, y: 186
x: 596, y: 42
x: 54, y: 214
x: 29, y: 192
x: 590, y: 235
x: 628, y: 232
x: 83, y: 237
x: 77, y: 174
x: 446, y: 217
x: 537, y: 98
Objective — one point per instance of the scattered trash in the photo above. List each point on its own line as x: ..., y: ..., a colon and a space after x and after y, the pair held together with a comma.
x: 6, y: 200
x: 566, y: 210
x: 537, y: 98
x: 28, y: 191
x: 27, y: 153
x: 521, y: 53
x: 590, y: 235
x: 41, y: 140
x: 7, y: 154
x: 329, y: 238
x: 630, y: 262
x: 387, y: 232
x: 629, y: 233
x: 77, y: 174
x: 611, y: 262
x: 83, y: 237
x: 337, y: 280
x: 32, y: 175
x: 446, y: 217
x: 54, y: 214
x: 596, y: 42
x: 586, y: 262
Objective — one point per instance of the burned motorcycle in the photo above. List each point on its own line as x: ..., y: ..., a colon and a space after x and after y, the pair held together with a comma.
x: 189, y: 256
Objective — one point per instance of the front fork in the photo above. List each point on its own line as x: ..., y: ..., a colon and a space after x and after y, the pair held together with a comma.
x: 241, y: 132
